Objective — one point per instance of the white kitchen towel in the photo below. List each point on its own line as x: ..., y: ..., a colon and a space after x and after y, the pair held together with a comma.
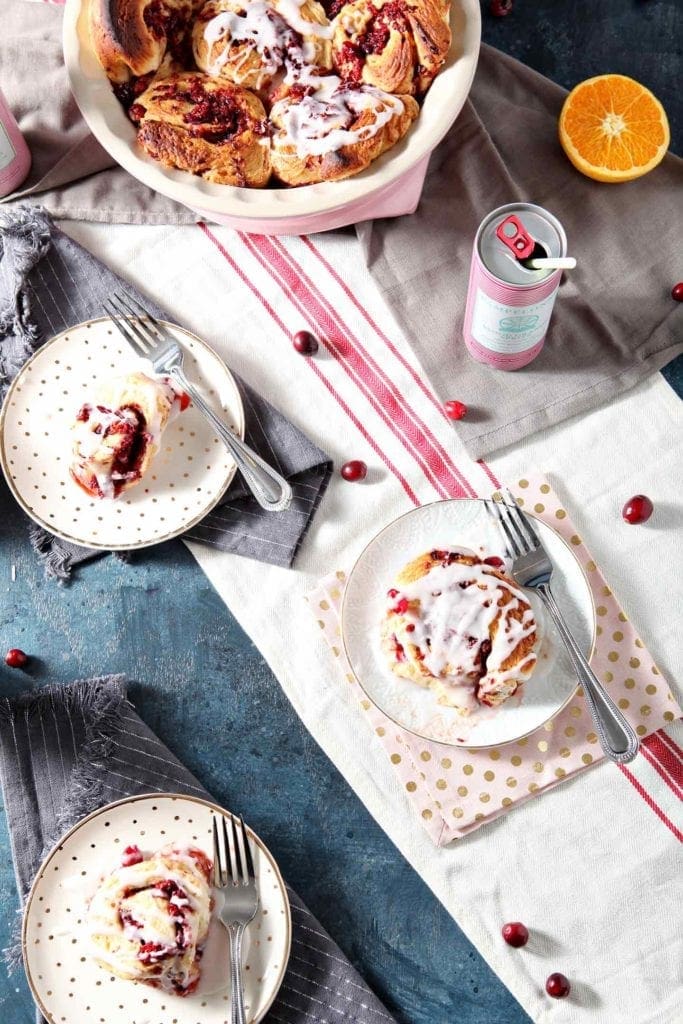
x: 591, y: 867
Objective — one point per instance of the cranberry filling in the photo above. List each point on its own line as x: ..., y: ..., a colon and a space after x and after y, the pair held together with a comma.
x: 156, y: 18
x: 132, y: 445
x: 373, y: 40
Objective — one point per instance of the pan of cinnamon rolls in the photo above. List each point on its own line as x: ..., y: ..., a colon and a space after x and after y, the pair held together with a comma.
x: 269, y: 94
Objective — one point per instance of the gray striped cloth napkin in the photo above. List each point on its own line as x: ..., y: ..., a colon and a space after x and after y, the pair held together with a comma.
x: 48, y: 283
x: 66, y: 751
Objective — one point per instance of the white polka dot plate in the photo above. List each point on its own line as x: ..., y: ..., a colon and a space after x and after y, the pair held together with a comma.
x: 447, y: 525
x: 71, y: 988
x: 187, y: 477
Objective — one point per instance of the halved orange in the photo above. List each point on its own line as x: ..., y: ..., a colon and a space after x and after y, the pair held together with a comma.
x: 613, y: 129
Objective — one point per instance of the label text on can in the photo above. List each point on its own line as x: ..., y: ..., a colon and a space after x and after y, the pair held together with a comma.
x: 510, y: 329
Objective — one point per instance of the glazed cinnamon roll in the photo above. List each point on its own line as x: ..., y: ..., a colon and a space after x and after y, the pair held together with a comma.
x: 207, y: 126
x: 117, y: 434
x: 250, y: 42
x: 396, y: 45
x: 132, y: 37
x: 459, y: 625
x: 334, y: 131
x: 149, y: 919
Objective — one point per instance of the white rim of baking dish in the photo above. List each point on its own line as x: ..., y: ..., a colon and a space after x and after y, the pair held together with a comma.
x: 109, y: 124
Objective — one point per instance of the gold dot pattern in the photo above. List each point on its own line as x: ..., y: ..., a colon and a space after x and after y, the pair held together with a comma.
x: 184, y: 482
x: 67, y: 983
x: 561, y: 747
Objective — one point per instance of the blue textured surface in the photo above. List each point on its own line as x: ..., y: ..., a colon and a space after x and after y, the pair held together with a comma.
x: 201, y: 684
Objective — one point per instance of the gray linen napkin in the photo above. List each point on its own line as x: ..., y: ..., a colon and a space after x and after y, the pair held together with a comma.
x: 66, y: 751
x: 48, y: 283
x: 614, y: 320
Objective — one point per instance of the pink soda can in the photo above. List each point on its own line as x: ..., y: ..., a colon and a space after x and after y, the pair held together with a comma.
x: 508, y: 305
x: 15, y: 158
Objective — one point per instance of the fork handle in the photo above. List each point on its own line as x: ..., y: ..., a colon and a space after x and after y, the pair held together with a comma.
x: 237, y: 1013
x: 271, y: 490
x: 617, y: 738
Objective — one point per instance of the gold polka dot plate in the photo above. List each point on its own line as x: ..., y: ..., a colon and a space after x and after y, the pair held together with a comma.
x: 70, y: 987
x: 188, y: 476
x: 449, y: 525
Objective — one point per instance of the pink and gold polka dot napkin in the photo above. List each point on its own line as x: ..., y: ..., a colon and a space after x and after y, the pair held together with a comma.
x: 455, y: 789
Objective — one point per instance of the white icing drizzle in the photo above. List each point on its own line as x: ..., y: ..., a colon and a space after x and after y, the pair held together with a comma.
x: 320, y: 122
x: 457, y: 605
x: 261, y: 28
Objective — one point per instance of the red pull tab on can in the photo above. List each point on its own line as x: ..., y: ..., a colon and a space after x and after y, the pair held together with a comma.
x: 512, y: 233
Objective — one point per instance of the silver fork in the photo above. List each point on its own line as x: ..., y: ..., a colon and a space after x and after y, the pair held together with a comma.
x: 233, y: 875
x: 531, y: 567
x: 152, y: 340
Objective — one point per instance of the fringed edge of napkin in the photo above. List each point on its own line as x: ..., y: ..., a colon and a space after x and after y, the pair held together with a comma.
x: 57, y: 559
x: 28, y: 230
x: 102, y: 702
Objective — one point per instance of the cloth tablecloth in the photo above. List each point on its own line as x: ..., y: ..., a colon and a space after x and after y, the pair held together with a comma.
x: 591, y: 866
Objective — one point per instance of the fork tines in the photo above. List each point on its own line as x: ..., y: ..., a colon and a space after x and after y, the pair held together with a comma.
x: 233, y: 865
x: 519, y: 532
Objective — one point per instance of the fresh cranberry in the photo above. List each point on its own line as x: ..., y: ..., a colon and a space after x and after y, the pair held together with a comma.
x: 410, y: 628
x: 354, y: 470
x: 131, y: 855
x: 515, y: 934
x: 497, y: 563
x: 16, y: 658
x: 184, y: 401
x: 455, y: 410
x: 500, y: 8
x: 637, y: 509
x: 305, y: 343
x: 557, y: 986
x: 677, y: 292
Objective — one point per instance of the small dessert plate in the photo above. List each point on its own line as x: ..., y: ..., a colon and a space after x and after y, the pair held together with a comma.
x: 67, y: 983
x: 187, y: 477
x: 460, y: 523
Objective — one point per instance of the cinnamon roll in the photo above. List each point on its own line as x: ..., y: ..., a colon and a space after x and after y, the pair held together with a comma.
x: 334, y: 131
x: 149, y: 919
x: 251, y: 42
x: 459, y: 625
x: 132, y: 37
x: 117, y: 434
x: 396, y: 45
x: 207, y: 126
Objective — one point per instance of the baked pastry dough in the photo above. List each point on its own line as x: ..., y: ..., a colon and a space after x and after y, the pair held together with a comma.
x: 335, y: 131
x: 207, y: 126
x: 459, y: 625
x: 209, y: 83
x: 251, y: 44
x: 396, y: 45
x: 149, y: 920
x: 117, y: 434
x: 131, y: 37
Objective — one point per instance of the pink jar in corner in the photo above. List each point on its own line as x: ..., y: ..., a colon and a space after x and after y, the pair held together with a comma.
x: 15, y: 156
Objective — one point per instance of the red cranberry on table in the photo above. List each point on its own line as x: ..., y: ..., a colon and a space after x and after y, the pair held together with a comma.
x: 637, y: 509
x: 131, y: 855
x: 677, y: 292
x: 557, y: 985
x: 354, y: 470
x: 305, y: 343
x: 16, y: 658
x: 499, y: 8
x: 515, y: 933
x: 455, y: 410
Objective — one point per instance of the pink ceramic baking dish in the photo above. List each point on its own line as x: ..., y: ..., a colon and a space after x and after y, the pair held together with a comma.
x: 390, y: 187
